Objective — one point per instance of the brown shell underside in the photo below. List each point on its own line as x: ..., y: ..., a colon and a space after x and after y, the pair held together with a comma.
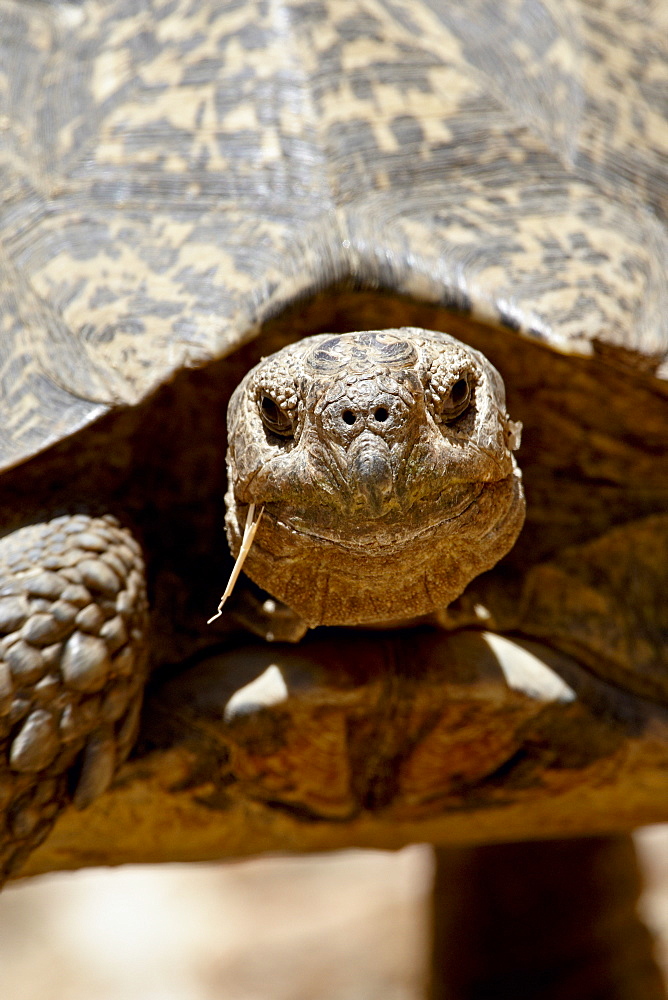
x: 171, y: 174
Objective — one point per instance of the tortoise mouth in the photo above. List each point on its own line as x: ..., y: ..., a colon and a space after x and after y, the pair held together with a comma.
x: 354, y: 530
x: 330, y: 576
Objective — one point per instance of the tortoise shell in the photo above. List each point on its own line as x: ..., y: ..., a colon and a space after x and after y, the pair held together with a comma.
x: 174, y: 175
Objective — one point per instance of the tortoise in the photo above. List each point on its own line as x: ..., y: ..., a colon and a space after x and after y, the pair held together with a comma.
x: 179, y: 178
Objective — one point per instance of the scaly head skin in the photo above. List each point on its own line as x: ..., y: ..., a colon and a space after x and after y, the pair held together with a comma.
x: 384, y: 464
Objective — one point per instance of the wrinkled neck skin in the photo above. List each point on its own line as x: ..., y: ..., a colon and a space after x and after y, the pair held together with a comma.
x: 384, y: 464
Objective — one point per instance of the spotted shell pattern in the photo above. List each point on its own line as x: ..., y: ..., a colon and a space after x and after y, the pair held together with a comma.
x: 172, y: 173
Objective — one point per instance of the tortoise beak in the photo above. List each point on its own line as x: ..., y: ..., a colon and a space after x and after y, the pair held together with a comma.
x: 369, y: 473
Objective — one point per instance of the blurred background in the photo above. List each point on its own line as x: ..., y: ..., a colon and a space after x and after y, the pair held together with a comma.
x: 347, y: 926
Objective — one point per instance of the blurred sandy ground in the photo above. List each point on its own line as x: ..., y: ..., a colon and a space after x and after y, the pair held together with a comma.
x: 349, y: 926
x: 652, y: 845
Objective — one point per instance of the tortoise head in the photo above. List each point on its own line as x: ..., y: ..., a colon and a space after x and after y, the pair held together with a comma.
x: 384, y: 464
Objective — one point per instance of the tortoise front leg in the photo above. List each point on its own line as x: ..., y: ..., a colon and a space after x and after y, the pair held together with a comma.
x: 544, y: 920
x: 73, y: 662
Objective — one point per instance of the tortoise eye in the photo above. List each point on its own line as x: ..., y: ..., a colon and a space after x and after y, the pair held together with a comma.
x: 456, y: 400
x: 274, y: 418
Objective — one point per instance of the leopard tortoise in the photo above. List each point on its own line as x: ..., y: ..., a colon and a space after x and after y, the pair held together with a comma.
x: 180, y: 177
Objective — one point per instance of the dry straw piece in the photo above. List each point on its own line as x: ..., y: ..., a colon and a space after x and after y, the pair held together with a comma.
x: 249, y: 534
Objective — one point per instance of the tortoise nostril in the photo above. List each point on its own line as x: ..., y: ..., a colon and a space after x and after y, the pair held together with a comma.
x: 381, y: 414
x: 349, y: 417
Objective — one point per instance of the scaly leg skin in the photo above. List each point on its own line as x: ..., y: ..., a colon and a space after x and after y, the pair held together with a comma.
x: 73, y: 664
